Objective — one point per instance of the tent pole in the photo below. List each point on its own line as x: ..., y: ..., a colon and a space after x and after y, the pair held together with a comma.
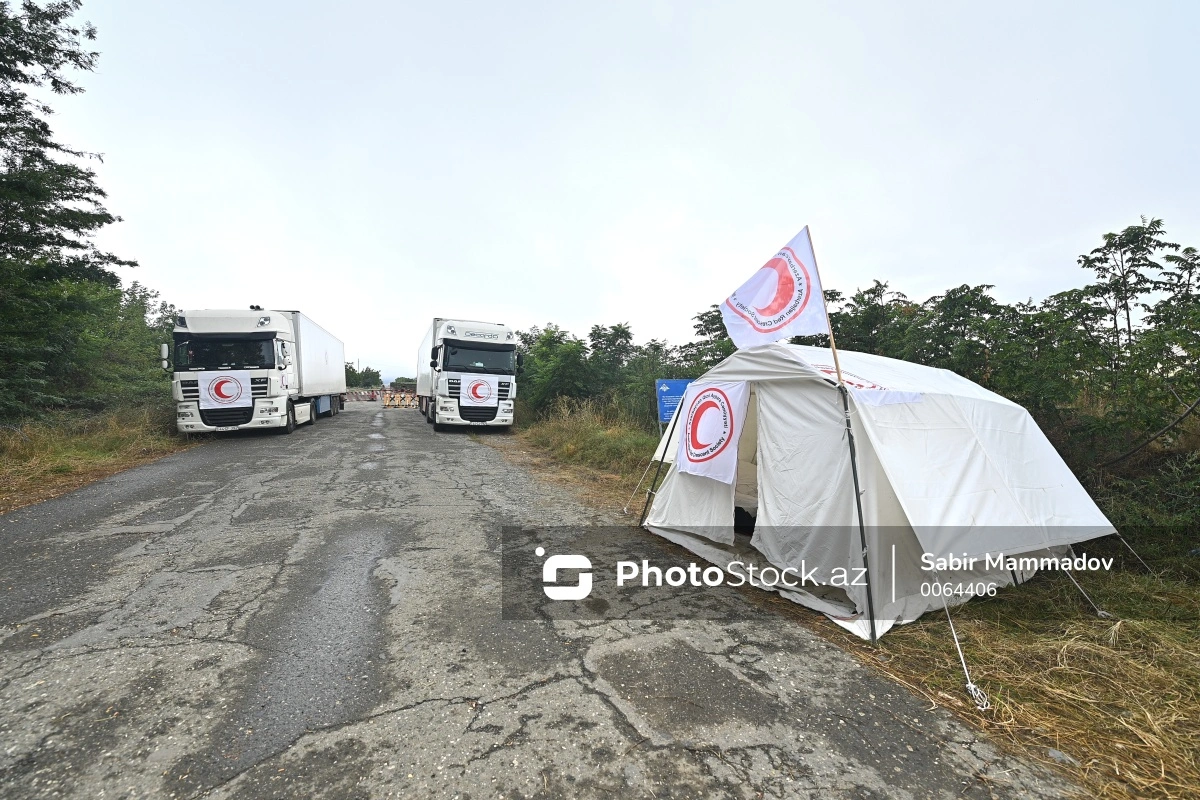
x: 653, y: 490
x: 841, y: 385
x: 862, y: 528
x: 837, y: 365
x: 1101, y: 613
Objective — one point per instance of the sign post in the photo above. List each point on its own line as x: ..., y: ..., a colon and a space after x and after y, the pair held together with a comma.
x: 670, y: 393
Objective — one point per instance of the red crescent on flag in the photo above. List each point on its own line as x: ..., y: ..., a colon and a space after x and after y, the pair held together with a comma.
x: 704, y: 407
x: 218, y: 386
x: 785, y: 287
x: 475, y: 391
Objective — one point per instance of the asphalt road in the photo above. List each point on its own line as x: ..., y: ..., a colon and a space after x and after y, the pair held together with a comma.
x: 318, y: 615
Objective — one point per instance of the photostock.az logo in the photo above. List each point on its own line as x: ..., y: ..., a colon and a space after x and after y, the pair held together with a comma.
x: 550, y: 576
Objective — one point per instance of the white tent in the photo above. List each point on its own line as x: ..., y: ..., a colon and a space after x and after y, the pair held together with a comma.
x: 945, y: 468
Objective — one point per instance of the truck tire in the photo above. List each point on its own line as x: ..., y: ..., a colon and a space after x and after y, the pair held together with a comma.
x: 429, y: 412
x: 291, y: 420
x: 312, y: 412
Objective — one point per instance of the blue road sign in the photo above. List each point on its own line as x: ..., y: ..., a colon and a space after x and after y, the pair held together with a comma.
x: 670, y: 392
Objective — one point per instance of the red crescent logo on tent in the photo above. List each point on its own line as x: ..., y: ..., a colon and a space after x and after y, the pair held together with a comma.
x: 849, y: 378
x: 790, y: 298
x: 480, y: 391
x: 224, y: 389
x: 698, y: 445
x: 713, y: 404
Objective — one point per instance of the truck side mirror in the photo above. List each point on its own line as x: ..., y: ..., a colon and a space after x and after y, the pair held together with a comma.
x: 433, y: 363
x: 520, y: 359
x: 433, y: 354
x: 164, y: 353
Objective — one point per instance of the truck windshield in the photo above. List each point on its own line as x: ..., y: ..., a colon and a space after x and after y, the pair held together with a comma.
x: 477, y: 359
x: 197, y: 354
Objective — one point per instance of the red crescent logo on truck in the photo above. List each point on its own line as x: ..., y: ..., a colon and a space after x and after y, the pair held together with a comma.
x: 480, y: 391
x: 224, y: 389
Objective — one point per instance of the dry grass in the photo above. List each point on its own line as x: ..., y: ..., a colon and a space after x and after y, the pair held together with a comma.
x: 1119, y: 696
x: 582, y: 432
x: 50, y: 457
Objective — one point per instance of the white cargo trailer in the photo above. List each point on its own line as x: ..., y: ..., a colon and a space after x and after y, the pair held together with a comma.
x: 248, y: 370
x: 467, y: 373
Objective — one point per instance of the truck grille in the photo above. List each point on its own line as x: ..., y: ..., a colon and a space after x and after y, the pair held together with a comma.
x: 477, y: 413
x: 454, y: 387
x: 191, y: 389
x: 221, y: 417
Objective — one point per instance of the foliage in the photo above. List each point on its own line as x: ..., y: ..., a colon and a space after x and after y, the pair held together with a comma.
x: 365, y: 378
x: 588, y: 432
x: 403, y: 384
x: 70, y: 337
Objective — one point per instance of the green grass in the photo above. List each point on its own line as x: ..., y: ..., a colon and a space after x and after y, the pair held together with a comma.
x: 586, y: 433
x: 60, y: 452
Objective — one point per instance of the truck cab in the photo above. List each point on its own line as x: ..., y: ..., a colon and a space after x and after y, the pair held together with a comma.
x: 467, y: 374
x: 240, y: 370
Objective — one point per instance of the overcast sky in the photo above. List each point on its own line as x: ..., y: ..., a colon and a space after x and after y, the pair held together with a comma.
x: 376, y: 164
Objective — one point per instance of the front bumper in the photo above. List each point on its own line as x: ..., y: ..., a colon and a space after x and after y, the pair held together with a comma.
x: 448, y: 413
x: 269, y: 412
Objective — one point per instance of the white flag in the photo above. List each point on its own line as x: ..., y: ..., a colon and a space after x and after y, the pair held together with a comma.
x: 479, y: 390
x: 713, y: 414
x: 781, y: 300
x: 226, y: 390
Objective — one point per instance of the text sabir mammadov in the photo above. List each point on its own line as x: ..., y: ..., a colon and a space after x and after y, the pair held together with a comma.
x: 999, y: 561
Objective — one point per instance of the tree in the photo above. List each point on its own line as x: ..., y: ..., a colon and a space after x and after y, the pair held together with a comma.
x: 1125, y: 267
x: 370, y: 377
x: 55, y: 280
x: 712, y: 346
x: 365, y: 378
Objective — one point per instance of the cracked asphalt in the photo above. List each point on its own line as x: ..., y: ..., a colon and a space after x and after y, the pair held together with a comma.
x: 318, y: 615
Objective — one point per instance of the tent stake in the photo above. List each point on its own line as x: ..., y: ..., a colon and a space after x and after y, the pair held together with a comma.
x: 978, y: 695
x: 653, y: 490
x: 862, y: 528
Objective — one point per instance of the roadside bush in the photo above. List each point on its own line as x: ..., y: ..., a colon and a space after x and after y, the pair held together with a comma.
x: 595, y: 434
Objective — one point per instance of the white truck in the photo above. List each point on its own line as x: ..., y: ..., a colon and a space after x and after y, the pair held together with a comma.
x: 467, y: 373
x: 255, y: 369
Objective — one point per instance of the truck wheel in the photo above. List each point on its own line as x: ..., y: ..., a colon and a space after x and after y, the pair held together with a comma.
x: 312, y: 412
x: 291, y: 419
x: 429, y: 412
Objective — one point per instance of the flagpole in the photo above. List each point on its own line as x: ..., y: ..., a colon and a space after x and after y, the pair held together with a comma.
x: 841, y: 386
